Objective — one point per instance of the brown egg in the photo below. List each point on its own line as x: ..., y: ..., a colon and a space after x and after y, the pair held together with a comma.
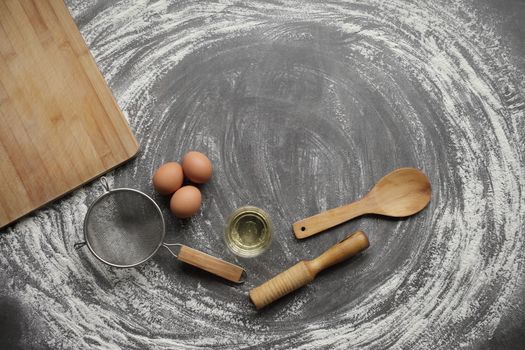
x: 185, y: 202
x: 197, y: 167
x: 168, y: 178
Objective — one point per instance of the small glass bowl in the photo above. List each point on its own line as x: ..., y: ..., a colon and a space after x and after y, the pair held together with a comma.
x: 248, y: 231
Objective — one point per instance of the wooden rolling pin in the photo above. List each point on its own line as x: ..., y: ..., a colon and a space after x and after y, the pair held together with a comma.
x: 304, y: 272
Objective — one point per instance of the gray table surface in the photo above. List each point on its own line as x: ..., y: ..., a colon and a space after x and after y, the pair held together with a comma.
x: 301, y: 106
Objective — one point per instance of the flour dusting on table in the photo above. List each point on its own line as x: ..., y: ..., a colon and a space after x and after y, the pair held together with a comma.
x: 301, y: 107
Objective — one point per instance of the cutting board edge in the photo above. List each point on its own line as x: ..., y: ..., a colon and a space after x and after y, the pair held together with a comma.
x: 16, y: 220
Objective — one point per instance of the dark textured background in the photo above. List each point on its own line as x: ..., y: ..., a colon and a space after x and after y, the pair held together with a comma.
x: 301, y: 107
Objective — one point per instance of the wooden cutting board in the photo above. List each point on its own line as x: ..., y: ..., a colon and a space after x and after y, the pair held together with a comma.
x: 59, y: 123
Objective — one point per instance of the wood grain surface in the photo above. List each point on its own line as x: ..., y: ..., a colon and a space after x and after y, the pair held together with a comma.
x: 60, y: 125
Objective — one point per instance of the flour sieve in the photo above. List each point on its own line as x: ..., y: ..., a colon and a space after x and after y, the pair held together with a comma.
x: 124, y: 227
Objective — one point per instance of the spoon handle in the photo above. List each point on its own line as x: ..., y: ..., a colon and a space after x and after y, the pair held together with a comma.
x: 330, y: 218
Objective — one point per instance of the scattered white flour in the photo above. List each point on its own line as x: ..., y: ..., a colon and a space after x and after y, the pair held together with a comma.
x: 455, y: 57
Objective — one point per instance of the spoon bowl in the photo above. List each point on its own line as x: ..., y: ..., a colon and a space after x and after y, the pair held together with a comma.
x: 403, y: 192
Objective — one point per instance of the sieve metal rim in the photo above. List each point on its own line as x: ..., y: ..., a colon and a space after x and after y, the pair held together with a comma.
x: 112, y: 191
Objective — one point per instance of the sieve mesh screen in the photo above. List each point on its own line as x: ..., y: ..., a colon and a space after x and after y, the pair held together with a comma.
x: 124, y: 227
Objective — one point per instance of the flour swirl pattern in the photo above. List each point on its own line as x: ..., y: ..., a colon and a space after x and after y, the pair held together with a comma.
x: 301, y: 107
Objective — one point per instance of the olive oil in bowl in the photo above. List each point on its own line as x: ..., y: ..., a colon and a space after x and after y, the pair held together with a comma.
x: 248, y: 231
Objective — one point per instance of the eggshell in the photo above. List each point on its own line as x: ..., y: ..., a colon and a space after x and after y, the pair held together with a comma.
x: 185, y: 202
x: 197, y: 167
x: 168, y: 178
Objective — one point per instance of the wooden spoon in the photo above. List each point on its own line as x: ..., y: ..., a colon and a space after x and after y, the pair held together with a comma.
x: 403, y: 192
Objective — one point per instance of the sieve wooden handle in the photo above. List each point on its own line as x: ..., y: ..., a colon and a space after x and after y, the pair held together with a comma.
x: 305, y: 271
x: 214, y: 265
